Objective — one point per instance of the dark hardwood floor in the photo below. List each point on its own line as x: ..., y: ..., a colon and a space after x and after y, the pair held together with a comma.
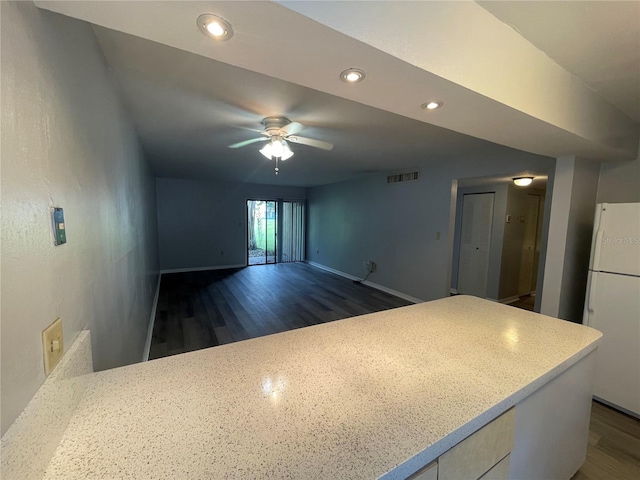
x: 526, y: 303
x: 204, y: 309
x: 613, y: 452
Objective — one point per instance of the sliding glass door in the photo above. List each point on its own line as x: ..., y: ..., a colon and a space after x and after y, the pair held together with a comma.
x: 261, y: 231
x: 275, y: 231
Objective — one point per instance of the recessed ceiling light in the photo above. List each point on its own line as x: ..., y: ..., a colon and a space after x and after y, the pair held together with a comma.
x: 215, y: 27
x: 431, y: 105
x: 523, y: 181
x: 352, y: 75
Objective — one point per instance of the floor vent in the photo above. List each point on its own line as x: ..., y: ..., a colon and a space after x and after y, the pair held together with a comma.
x: 402, y: 177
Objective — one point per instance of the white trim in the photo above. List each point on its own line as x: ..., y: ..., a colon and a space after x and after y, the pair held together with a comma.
x: 454, y: 291
x: 200, y: 269
x: 147, y: 344
x: 404, y: 296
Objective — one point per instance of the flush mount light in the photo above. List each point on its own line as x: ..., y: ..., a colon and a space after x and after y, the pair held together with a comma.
x: 352, y: 75
x: 215, y: 27
x: 431, y: 105
x: 523, y: 181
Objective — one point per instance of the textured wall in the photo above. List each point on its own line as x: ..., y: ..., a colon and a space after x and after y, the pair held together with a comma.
x: 66, y: 142
x: 197, y: 220
x: 578, y: 247
x: 396, y: 225
x: 619, y: 182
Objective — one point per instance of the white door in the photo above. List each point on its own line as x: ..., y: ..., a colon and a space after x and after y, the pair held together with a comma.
x: 475, y: 240
x: 616, y: 239
x: 613, y: 307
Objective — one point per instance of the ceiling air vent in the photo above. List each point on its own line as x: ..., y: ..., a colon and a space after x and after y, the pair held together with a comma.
x: 403, y: 177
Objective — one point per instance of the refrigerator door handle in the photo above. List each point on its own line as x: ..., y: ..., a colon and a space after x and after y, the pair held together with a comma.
x: 592, y: 293
x: 595, y: 261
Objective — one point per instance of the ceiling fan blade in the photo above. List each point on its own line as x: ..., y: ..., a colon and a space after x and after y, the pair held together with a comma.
x: 249, y: 142
x: 311, y: 142
x: 292, y: 128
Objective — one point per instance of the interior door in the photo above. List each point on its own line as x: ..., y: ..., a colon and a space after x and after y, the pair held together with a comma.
x: 475, y: 242
x: 527, y: 283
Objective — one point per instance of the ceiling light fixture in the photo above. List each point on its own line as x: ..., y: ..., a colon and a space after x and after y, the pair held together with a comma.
x: 352, y: 75
x: 431, y: 105
x: 277, y: 149
x: 523, y: 181
x: 215, y: 27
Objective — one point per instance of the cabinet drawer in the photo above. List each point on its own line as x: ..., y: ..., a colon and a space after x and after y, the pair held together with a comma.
x: 499, y: 471
x: 430, y: 472
x: 477, y: 454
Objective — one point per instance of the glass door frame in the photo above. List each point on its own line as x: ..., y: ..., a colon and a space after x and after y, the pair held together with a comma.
x: 275, y: 234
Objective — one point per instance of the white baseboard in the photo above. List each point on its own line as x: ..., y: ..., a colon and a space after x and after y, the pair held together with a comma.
x: 147, y: 344
x: 201, y: 269
x: 404, y: 296
x: 454, y: 291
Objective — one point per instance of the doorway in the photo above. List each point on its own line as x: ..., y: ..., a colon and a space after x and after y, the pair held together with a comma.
x: 262, y: 225
x: 275, y: 231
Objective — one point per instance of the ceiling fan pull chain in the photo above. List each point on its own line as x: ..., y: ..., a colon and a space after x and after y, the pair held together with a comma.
x: 277, y: 169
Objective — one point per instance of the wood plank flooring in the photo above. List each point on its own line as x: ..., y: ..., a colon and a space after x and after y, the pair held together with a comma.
x: 204, y: 309
x: 614, y: 446
x: 526, y: 303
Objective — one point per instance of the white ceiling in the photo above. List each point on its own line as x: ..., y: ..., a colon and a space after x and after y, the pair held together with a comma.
x: 188, y: 108
x: 188, y: 102
x: 597, y: 41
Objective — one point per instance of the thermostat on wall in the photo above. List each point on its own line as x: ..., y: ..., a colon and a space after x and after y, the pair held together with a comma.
x: 59, y: 233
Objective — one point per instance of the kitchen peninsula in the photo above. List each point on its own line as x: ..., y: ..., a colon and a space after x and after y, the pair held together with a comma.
x: 379, y: 395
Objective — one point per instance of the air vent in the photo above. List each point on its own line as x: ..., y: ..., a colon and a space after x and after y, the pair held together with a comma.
x: 403, y: 177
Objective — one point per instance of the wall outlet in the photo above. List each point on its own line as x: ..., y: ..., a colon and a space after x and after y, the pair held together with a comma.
x: 52, y: 345
x: 371, y: 266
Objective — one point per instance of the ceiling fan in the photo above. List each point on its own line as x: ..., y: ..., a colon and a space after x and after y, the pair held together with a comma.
x: 278, y: 131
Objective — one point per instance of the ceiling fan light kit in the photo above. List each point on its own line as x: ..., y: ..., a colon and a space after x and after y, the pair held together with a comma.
x: 278, y: 131
x: 215, y: 27
x: 277, y: 147
x: 352, y: 75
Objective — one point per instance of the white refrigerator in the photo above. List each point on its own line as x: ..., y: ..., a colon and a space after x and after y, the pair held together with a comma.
x: 613, y: 304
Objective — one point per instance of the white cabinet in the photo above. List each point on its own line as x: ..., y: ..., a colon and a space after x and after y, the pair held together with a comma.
x: 484, y: 455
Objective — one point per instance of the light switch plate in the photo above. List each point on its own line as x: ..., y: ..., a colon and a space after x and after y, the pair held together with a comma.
x: 53, y: 345
x: 59, y: 231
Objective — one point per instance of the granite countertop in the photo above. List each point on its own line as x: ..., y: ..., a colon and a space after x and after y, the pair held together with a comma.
x: 349, y: 399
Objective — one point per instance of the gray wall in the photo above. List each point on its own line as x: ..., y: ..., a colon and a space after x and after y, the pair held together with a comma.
x: 619, y: 182
x: 570, y: 228
x: 396, y: 225
x: 578, y: 248
x: 201, y: 224
x: 66, y: 142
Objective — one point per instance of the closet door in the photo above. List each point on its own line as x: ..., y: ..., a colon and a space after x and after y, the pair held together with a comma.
x: 475, y: 242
